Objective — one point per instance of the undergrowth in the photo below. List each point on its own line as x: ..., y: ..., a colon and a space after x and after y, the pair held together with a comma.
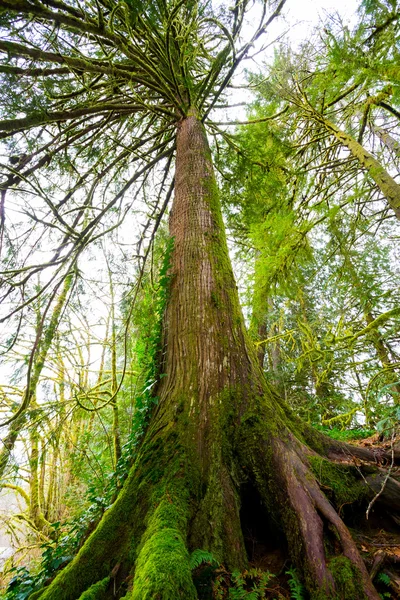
x: 72, y: 533
x: 214, y: 582
x: 345, y: 435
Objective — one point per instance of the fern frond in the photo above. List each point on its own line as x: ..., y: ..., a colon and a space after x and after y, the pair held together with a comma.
x: 199, y: 557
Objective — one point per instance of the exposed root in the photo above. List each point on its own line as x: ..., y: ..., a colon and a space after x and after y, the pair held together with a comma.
x: 168, y: 508
x: 307, y: 514
x: 341, y: 451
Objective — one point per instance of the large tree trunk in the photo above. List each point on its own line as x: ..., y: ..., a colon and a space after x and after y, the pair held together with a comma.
x: 216, y: 429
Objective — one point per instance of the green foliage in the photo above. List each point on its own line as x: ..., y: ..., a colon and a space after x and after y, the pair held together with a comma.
x: 383, y: 578
x: 98, y: 497
x: 322, y: 260
x: 21, y: 585
x: 251, y: 584
x: 345, y: 435
x: 296, y: 587
x: 149, y: 322
x: 55, y: 556
x: 199, y: 557
x: 389, y: 422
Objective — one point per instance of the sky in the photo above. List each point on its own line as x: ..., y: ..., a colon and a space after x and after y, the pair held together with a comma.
x: 299, y: 18
x: 307, y: 13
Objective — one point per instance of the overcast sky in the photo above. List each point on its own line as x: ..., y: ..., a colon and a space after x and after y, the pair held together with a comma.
x: 308, y: 13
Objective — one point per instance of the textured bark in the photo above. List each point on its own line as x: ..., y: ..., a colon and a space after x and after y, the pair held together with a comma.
x: 217, y: 427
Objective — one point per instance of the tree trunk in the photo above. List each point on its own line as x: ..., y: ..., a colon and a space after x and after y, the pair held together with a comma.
x: 217, y: 428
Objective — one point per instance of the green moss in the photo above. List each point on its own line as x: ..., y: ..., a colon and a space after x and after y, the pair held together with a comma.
x: 216, y: 526
x: 96, y: 591
x: 215, y: 300
x: 103, y: 549
x: 347, y: 579
x: 163, y: 566
x: 36, y: 594
x: 338, y: 480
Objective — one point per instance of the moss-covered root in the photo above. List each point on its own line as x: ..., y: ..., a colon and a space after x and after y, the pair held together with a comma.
x: 102, y: 550
x: 97, y: 591
x: 162, y: 567
x: 305, y: 513
x: 37, y: 594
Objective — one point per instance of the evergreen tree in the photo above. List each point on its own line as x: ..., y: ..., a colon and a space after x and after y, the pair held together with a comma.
x: 105, y: 84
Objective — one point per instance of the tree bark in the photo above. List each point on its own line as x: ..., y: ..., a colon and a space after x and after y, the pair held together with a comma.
x: 216, y: 428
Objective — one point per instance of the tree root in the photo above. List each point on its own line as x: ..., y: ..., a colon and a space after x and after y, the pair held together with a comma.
x: 165, y: 509
x: 307, y: 515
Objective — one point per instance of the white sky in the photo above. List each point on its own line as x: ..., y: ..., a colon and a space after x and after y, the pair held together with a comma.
x: 308, y: 12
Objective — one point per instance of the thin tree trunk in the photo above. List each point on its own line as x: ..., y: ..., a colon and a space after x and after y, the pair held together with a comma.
x: 18, y: 424
x: 114, y: 381
x: 387, y: 139
x: 35, y: 509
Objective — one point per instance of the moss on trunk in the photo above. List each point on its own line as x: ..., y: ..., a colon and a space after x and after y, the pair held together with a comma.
x: 217, y: 427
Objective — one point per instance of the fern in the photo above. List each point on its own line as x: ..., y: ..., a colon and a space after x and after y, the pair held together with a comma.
x: 235, y: 585
x: 296, y: 587
x: 237, y: 592
x: 259, y: 580
x: 198, y: 557
x: 383, y: 578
